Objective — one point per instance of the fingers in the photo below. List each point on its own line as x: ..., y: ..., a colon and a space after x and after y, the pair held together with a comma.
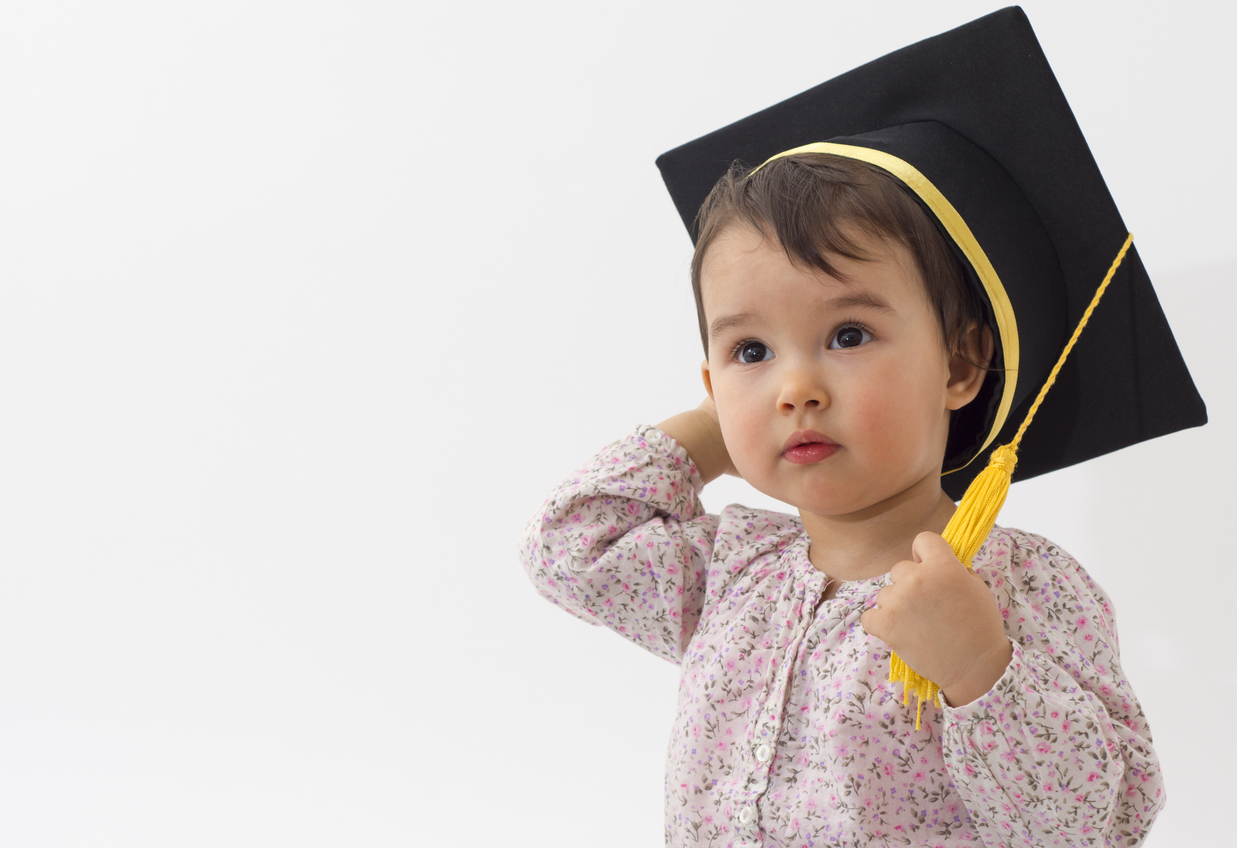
x: 873, y: 623
x: 929, y: 545
x: 911, y: 579
x: 926, y: 547
x: 900, y: 570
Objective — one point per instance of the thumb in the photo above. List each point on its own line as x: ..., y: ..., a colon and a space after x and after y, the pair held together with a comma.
x: 928, y: 545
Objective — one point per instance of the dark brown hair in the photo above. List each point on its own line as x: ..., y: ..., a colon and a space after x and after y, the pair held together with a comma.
x: 814, y: 204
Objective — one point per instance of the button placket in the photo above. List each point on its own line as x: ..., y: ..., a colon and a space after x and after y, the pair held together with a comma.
x: 776, y: 690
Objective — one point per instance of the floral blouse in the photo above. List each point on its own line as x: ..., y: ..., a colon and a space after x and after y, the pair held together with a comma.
x: 788, y: 732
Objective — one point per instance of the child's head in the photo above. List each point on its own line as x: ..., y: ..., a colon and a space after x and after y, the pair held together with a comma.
x: 829, y: 303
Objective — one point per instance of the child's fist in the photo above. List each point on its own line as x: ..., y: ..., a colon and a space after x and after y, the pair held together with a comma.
x: 942, y: 619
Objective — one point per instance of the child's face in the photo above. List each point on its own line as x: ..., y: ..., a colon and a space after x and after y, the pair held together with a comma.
x: 861, y: 363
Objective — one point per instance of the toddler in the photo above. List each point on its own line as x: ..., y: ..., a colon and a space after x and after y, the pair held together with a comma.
x: 855, y: 352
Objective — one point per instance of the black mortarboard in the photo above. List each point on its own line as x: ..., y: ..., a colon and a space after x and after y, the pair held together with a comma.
x: 974, y: 122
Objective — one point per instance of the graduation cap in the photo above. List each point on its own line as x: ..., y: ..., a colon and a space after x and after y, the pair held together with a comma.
x: 975, y: 125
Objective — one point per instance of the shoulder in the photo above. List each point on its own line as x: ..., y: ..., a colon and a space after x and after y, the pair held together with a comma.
x: 1027, y: 570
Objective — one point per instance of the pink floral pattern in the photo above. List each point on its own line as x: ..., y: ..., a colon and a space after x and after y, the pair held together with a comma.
x: 788, y: 732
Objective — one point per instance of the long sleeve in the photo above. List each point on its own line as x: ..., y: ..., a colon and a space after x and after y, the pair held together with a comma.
x: 1058, y: 752
x: 624, y: 542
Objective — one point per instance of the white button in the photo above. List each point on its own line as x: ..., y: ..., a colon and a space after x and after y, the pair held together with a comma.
x: 746, y: 815
x: 763, y: 753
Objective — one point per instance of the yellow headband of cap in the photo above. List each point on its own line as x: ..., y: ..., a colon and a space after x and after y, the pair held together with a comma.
x: 944, y: 211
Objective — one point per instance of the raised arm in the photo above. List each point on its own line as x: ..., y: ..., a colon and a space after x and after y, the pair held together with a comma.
x: 1059, y: 751
x: 624, y: 542
x: 700, y: 434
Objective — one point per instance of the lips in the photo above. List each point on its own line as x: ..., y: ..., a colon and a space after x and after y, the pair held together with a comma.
x: 807, y: 437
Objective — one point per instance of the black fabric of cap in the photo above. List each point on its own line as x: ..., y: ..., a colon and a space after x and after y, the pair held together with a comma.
x: 978, y: 111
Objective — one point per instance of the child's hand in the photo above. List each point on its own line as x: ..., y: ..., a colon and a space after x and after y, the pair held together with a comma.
x: 942, y: 619
x: 709, y: 408
x: 700, y: 434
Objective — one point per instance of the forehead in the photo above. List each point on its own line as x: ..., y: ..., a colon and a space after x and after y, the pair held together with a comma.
x: 744, y: 265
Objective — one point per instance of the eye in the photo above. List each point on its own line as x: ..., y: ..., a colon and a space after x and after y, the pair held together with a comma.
x: 748, y: 352
x: 852, y: 335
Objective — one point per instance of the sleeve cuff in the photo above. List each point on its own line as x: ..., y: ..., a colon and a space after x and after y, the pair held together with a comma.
x: 657, y: 440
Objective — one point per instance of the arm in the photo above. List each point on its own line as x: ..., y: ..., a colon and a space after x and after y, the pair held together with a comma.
x: 624, y: 542
x: 1058, y: 752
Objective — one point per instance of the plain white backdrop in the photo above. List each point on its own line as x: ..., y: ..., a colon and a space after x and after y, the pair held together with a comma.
x: 304, y: 308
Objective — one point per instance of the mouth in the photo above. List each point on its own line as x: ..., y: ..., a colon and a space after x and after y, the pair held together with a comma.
x: 808, y: 437
x: 807, y: 446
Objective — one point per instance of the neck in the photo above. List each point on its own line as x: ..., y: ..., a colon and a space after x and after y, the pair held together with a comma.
x: 867, y: 543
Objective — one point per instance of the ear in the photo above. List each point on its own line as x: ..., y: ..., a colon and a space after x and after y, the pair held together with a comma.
x: 704, y: 375
x: 968, y: 369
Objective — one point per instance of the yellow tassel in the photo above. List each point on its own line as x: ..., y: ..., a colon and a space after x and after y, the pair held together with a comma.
x: 978, y: 509
x: 983, y: 499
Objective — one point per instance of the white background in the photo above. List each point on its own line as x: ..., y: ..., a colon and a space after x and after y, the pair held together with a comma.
x: 304, y: 308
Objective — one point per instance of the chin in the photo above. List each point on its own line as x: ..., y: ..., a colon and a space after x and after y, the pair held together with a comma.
x: 816, y: 503
x: 834, y: 503
x: 831, y: 510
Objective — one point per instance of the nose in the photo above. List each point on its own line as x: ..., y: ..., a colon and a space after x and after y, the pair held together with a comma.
x: 802, y: 389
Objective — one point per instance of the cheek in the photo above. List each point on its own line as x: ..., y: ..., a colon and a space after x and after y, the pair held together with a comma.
x: 743, y: 427
x: 898, y: 408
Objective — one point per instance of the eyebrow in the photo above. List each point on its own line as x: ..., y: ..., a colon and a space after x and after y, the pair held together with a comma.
x: 865, y: 300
